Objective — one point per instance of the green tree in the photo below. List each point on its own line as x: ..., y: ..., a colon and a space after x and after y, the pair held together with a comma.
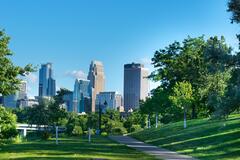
x: 218, y: 57
x: 7, y: 124
x: 182, y: 97
x: 9, y: 73
x: 181, y: 62
x: 234, y: 7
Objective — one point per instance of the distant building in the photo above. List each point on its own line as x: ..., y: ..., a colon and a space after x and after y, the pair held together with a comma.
x: 108, y: 100
x: 68, y: 101
x: 47, y: 85
x: 82, y: 96
x: 135, y: 85
x: 12, y: 101
x: 1, y: 100
x: 119, y: 100
x: 23, y: 103
x: 97, y: 80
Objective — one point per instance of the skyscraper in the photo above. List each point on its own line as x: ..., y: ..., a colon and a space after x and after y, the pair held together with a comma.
x: 97, y: 80
x: 82, y: 96
x: 47, y: 85
x: 135, y: 85
x: 68, y: 101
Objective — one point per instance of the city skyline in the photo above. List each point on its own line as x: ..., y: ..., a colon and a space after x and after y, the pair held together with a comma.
x: 115, y: 33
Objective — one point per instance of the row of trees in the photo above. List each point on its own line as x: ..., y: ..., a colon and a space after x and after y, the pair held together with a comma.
x: 198, y: 78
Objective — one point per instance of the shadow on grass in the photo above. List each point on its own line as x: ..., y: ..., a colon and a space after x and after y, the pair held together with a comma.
x: 71, y: 148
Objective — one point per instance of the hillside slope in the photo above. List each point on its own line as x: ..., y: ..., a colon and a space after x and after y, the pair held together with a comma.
x: 203, y: 139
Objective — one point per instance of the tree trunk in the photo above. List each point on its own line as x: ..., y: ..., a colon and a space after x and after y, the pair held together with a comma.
x: 156, y: 120
x: 149, y: 123
x: 185, y: 118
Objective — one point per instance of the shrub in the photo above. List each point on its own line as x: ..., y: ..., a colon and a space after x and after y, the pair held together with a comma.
x: 7, y: 124
x: 104, y: 134
x: 119, y: 131
x: 136, y: 128
x: 77, y: 130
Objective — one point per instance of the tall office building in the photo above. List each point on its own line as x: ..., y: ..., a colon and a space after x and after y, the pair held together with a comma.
x: 97, y: 80
x: 47, y: 85
x: 82, y: 96
x: 68, y: 101
x: 135, y: 85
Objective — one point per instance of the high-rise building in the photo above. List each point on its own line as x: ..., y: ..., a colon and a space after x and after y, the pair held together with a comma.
x: 97, y: 80
x: 108, y: 100
x: 47, y: 85
x: 23, y: 90
x: 68, y: 101
x: 135, y: 85
x: 82, y: 96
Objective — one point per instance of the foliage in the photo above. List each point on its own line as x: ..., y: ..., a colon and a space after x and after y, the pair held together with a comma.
x: 234, y: 7
x: 135, y: 118
x: 7, y: 124
x: 182, y: 94
x: 77, y: 131
x: 22, y: 114
x: 207, y: 65
x: 9, y: 73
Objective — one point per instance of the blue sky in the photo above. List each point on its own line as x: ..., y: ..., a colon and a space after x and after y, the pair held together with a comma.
x: 71, y: 33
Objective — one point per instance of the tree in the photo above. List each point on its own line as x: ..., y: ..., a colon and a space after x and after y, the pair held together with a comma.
x: 9, y: 73
x: 182, y: 97
x: 181, y: 62
x: 234, y: 7
x: 218, y: 59
x: 9, y: 84
x: 7, y: 123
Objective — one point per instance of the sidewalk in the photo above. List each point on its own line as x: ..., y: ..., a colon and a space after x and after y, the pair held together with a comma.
x: 150, y: 149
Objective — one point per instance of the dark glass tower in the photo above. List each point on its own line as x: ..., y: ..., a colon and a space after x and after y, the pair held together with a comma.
x: 47, y: 85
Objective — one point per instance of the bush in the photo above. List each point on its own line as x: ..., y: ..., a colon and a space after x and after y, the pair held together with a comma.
x: 45, y: 135
x: 136, y: 128
x: 119, y: 131
x: 7, y: 124
x: 77, y: 130
x: 18, y: 139
x: 104, y: 134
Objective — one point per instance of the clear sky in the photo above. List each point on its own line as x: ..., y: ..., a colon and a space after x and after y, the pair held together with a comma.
x: 71, y: 33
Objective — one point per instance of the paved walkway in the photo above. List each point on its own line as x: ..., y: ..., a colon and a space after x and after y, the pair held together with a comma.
x: 150, y: 149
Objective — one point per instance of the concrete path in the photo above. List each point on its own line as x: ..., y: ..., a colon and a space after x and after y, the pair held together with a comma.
x: 150, y: 149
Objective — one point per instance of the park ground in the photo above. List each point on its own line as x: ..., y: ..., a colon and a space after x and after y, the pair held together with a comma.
x: 203, y: 139
x: 70, y: 148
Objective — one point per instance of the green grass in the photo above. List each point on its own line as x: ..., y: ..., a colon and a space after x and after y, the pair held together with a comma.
x: 203, y: 139
x: 70, y: 148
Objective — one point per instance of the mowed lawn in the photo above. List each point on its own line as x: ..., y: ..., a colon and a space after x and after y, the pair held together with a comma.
x: 70, y: 148
x: 203, y: 139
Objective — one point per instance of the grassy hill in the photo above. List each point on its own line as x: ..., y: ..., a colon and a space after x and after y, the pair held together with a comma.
x: 203, y: 139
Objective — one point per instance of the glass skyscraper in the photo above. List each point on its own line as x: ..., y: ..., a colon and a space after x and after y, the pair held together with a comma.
x: 82, y: 96
x: 47, y: 85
